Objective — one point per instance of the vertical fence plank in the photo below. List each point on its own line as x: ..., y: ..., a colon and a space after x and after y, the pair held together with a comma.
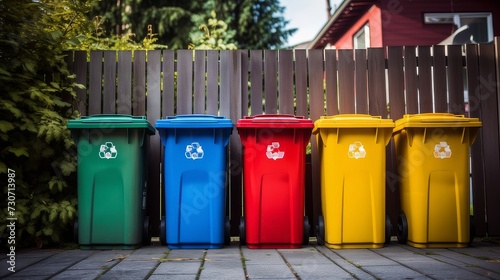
x: 212, y: 82
x: 455, y: 79
x: 395, y: 75
x: 244, y: 82
x: 168, y: 96
x: 396, y: 82
x: 317, y: 109
x: 184, y: 82
x: 411, y: 80
x: 376, y: 82
x: 346, y: 82
x: 95, y: 73
x: 301, y: 83
x: 199, y: 81
x: 361, y: 95
x: 154, y: 156
x: 270, y: 81
x: 332, y: 102
x: 316, y: 91
x: 285, y: 75
x: 80, y: 70
x: 439, y: 78
x: 256, y: 94
x: 487, y: 96
x: 139, y: 102
x: 477, y: 163
x: 425, y: 79
x: 124, y: 94
x: 230, y: 106
x: 109, y: 91
x: 68, y: 59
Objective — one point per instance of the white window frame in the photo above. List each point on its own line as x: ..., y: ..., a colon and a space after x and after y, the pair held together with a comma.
x: 455, y: 18
x: 363, y: 31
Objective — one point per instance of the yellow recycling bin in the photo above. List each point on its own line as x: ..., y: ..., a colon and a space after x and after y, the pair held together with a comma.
x: 433, y: 165
x: 352, y: 166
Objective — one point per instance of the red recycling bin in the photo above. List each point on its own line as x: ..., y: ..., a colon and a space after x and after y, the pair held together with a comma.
x: 274, y: 180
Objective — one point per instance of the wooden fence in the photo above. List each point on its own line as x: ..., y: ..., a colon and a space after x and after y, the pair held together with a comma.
x: 387, y: 82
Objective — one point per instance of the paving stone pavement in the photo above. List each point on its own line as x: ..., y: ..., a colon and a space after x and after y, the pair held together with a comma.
x: 394, y: 261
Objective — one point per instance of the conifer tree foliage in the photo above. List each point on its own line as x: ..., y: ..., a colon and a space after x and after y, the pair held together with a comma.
x: 257, y: 24
x: 172, y: 20
x: 35, y: 104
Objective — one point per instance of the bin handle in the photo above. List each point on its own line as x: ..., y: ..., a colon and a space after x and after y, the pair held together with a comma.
x: 351, y: 116
x: 200, y: 118
x: 91, y: 119
x: 265, y: 118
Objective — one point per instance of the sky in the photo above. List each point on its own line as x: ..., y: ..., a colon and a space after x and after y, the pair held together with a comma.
x: 308, y: 16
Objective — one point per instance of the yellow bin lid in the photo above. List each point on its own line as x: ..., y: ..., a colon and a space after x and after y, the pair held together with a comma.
x: 352, y: 121
x: 436, y: 120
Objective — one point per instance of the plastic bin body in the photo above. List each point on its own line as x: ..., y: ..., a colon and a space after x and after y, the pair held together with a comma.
x: 112, y: 179
x: 352, y: 151
x: 433, y: 165
x: 274, y: 179
x: 195, y: 179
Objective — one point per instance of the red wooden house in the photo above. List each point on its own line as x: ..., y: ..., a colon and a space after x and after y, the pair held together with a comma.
x: 380, y: 23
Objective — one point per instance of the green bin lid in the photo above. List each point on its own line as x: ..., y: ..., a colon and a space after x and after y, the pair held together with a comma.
x: 274, y: 120
x: 106, y: 121
x: 436, y: 120
x: 352, y: 121
x: 194, y: 121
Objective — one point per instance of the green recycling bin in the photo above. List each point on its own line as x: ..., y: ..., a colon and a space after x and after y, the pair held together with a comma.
x: 112, y: 181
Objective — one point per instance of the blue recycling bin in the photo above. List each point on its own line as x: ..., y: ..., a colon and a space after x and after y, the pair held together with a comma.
x: 194, y: 181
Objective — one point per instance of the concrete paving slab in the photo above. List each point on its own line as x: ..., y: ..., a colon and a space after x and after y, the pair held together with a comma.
x: 343, y: 263
x: 321, y: 271
x: 178, y: 268
x: 262, y: 256
x: 269, y: 271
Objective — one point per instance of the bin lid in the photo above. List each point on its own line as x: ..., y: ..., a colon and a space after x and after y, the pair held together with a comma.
x: 436, y: 120
x: 273, y: 120
x: 352, y: 121
x: 194, y: 121
x: 107, y: 121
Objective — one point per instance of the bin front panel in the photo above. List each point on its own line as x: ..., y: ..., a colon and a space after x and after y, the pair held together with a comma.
x: 195, y: 180
x: 352, y: 164
x: 111, y: 186
x: 274, y: 170
x: 433, y: 165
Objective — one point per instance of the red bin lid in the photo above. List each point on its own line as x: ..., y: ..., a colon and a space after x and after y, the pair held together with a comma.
x: 274, y: 120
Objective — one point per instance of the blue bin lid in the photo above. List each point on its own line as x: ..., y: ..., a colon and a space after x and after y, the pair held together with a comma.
x: 194, y: 121
x: 111, y: 121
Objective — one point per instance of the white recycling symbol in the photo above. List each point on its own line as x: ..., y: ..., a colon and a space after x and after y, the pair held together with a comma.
x: 442, y: 150
x: 356, y: 150
x: 273, y: 151
x: 108, y: 151
x: 194, y: 151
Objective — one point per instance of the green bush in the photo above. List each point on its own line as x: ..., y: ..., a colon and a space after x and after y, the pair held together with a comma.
x: 35, y: 105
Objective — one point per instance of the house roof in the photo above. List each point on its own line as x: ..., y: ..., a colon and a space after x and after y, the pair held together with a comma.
x: 342, y: 19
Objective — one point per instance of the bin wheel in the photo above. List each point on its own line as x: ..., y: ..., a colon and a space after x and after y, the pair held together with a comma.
x: 163, y: 231
x: 146, y: 232
x: 472, y: 229
x: 243, y: 240
x: 388, y: 229
x: 307, y: 228
x: 75, y: 231
x: 320, y: 231
x: 227, y: 232
x: 402, y: 229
